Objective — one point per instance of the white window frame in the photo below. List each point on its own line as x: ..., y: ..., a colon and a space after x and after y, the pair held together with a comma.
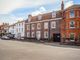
x: 22, y: 29
x: 28, y: 34
x: 46, y: 36
x: 28, y: 27
x: 46, y: 24
x: 32, y: 26
x: 73, y: 23
x: 53, y: 24
x: 53, y: 14
x: 71, y: 14
x: 33, y: 34
x: 38, y: 24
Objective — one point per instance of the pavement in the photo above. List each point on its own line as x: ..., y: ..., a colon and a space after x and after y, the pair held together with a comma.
x: 18, y: 50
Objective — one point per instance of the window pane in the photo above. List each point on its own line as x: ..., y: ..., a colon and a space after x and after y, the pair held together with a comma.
x: 38, y: 26
x: 72, y: 24
x: 33, y: 26
x: 53, y: 14
x: 46, y: 34
x: 72, y: 36
x: 46, y: 25
x: 33, y: 34
x: 71, y: 13
x: 28, y: 34
x: 53, y: 24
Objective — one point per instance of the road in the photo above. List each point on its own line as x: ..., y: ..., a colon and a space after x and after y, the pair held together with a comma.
x: 16, y: 50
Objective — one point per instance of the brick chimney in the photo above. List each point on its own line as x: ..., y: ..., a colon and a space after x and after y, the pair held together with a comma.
x: 29, y: 17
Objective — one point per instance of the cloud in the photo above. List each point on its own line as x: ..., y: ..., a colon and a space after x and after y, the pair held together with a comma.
x: 7, y: 6
x: 10, y: 18
x: 69, y: 3
x: 39, y: 11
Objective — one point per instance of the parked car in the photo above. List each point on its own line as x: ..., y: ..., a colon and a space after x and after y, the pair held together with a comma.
x: 5, y: 37
x: 11, y: 36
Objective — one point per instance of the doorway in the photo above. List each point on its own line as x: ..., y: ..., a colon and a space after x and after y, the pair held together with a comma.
x: 56, y: 37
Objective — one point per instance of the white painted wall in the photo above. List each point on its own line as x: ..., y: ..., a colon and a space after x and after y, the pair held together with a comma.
x: 19, y: 29
x: 11, y: 30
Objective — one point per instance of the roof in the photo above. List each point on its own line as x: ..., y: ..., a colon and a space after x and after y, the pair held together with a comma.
x: 46, y: 16
x: 73, y: 7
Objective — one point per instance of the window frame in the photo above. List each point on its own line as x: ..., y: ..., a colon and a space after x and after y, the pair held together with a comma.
x: 53, y: 23
x: 28, y: 34
x: 28, y: 27
x: 38, y: 25
x: 53, y: 14
x: 73, y: 23
x: 72, y: 13
x: 46, y: 34
x: 33, y: 34
x: 32, y: 26
x: 72, y: 37
x: 46, y: 25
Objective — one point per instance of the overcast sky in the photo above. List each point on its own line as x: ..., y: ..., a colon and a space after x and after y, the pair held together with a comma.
x: 14, y: 10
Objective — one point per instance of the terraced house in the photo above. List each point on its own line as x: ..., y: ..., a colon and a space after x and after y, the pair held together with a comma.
x: 57, y: 26
x: 18, y: 29
x: 44, y: 26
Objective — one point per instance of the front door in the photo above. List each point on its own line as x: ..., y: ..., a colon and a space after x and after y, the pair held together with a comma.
x: 38, y: 35
x: 56, y: 37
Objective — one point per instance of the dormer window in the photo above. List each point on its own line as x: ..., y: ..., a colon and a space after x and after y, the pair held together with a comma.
x: 53, y: 14
x: 39, y: 17
x: 71, y: 13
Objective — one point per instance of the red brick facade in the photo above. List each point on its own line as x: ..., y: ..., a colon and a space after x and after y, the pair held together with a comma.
x: 66, y: 29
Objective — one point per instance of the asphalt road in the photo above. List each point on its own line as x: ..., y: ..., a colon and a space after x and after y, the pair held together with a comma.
x: 16, y: 50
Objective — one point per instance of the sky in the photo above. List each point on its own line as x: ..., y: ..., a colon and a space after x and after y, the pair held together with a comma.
x: 12, y: 11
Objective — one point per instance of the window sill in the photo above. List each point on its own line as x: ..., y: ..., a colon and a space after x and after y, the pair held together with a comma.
x: 72, y: 27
